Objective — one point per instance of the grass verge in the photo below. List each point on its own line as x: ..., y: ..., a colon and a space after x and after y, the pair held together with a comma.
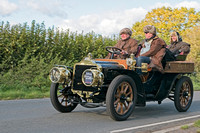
x: 197, y: 124
x: 195, y: 128
x: 9, y: 92
x: 185, y: 127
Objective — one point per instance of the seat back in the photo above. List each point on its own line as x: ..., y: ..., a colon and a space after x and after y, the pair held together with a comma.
x: 181, y: 57
x: 169, y: 56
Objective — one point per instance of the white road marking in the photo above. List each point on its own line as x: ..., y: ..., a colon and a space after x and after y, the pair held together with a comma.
x: 154, y: 124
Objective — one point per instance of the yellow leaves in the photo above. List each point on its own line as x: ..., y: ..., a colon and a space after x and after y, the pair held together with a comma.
x: 166, y: 19
x: 192, y: 36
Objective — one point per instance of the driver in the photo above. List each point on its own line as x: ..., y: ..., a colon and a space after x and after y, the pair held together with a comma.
x: 127, y: 44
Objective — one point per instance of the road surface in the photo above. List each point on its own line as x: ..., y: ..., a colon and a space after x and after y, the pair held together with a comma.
x: 39, y: 116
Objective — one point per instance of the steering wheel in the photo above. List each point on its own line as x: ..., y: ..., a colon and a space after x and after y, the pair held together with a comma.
x: 113, y: 50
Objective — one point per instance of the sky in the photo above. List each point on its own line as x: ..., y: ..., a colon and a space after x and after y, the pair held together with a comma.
x: 105, y: 17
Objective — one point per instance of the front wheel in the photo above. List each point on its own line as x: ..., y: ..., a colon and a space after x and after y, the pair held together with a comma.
x: 183, y: 94
x: 121, y: 97
x: 60, y: 100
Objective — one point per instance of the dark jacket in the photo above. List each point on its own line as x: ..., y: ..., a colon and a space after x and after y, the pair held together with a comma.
x: 178, y: 47
x: 156, y: 53
x: 129, y: 45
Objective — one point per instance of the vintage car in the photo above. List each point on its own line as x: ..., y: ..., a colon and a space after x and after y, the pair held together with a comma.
x: 115, y: 84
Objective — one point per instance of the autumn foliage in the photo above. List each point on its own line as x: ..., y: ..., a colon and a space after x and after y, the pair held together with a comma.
x: 166, y: 20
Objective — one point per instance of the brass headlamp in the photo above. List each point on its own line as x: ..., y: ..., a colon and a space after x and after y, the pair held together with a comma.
x: 92, y: 77
x: 60, y: 75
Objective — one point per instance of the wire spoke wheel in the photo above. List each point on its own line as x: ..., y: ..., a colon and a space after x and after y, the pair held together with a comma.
x: 121, y: 97
x: 63, y: 99
x: 183, y: 94
x: 60, y: 100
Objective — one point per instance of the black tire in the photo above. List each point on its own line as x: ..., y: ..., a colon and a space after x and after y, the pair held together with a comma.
x: 61, y: 102
x: 121, y: 97
x: 183, y: 94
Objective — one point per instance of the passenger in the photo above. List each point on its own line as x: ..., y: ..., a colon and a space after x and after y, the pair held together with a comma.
x: 177, y: 45
x: 127, y: 44
x: 153, y: 50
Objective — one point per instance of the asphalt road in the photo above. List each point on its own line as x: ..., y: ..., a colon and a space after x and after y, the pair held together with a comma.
x: 39, y: 116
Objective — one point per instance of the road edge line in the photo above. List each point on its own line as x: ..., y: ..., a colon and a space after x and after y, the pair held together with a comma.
x: 154, y: 124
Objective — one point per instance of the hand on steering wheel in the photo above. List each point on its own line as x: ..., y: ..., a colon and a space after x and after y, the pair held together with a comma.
x: 124, y: 52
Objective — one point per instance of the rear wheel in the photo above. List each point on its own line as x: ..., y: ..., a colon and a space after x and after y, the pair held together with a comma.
x: 121, y: 97
x: 60, y: 99
x: 183, y: 94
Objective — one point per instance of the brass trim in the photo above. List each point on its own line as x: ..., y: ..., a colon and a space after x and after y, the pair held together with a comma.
x: 60, y: 74
x: 98, y: 77
x: 87, y: 61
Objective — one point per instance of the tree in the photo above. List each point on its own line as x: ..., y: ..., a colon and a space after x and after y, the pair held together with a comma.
x: 167, y: 19
x: 192, y: 36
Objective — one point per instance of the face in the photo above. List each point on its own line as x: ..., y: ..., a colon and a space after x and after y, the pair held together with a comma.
x: 148, y: 35
x: 124, y: 36
x: 174, y: 38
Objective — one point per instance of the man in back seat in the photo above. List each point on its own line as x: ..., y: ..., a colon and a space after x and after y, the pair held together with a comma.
x: 177, y: 45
